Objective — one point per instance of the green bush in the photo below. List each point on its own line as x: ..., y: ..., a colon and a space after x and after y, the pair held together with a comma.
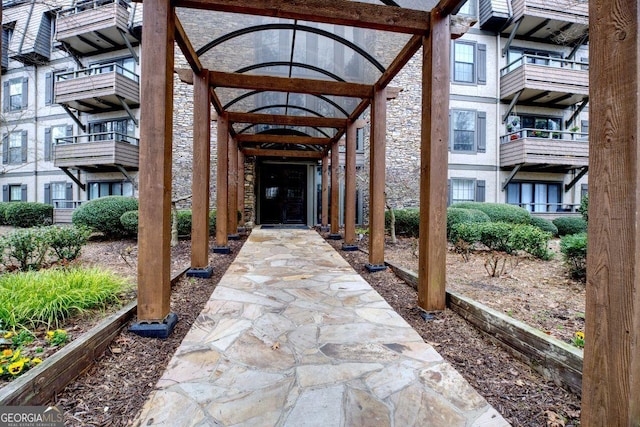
x: 466, y: 232
x: 28, y: 214
x: 459, y: 215
x: 531, y: 239
x: 574, y: 251
x: 407, y: 222
x: 25, y: 249
x: 67, y: 242
x: 570, y: 225
x: 184, y: 222
x: 104, y: 214
x: 3, y: 212
x: 212, y: 222
x: 584, y: 207
x: 544, y: 225
x: 129, y: 221
x: 499, y: 212
x: 497, y: 236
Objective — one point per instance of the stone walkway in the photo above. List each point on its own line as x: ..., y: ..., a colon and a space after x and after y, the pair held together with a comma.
x: 293, y: 336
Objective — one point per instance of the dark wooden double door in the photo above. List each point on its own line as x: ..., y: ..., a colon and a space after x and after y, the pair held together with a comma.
x: 283, y: 194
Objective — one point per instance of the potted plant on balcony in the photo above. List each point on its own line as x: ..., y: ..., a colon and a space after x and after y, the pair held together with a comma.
x: 513, y: 125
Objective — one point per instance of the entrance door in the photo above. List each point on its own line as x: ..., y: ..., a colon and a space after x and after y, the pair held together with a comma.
x: 283, y: 194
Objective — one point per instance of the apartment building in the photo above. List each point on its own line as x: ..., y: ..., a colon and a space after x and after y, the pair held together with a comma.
x: 518, y: 110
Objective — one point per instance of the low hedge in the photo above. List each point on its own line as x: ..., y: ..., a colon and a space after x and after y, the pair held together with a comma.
x: 499, y: 212
x: 104, y: 214
x: 459, y: 216
x: 544, y: 225
x: 129, y: 221
x: 570, y: 225
x: 574, y: 251
x: 3, y: 210
x: 407, y: 221
x: 28, y: 214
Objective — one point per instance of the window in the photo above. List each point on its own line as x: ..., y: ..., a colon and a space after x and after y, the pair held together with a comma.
x: 7, y: 33
x: 52, y: 136
x: 535, y: 196
x: 15, y: 94
x: 536, y: 125
x: 110, y: 188
x: 466, y: 190
x: 532, y: 56
x: 360, y: 139
x: 468, y: 131
x: 59, y: 194
x: 124, y: 66
x: 469, y: 8
x: 14, y: 147
x: 469, y: 63
x: 14, y: 193
x: 118, y: 130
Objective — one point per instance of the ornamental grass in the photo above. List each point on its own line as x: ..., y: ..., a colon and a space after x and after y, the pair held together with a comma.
x: 47, y: 297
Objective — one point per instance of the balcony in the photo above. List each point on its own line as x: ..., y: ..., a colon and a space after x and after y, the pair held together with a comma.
x: 95, y: 26
x: 100, y: 88
x: 543, y: 150
x: 544, y: 82
x: 98, y: 152
x: 562, y: 22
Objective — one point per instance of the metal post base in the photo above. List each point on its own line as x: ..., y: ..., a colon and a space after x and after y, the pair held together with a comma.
x: 200, y: 273
x: 349, y: 248
x: 233, y: 237
x: 156, y: 330
x: 374, y: 268
x: 221, y: 250
x: 335, y: 236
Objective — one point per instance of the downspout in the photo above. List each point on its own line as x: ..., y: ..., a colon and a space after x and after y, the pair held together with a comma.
x: 35, y: 138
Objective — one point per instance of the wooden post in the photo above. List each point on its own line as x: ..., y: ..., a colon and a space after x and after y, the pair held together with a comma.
x: 324, y: 218
x: 241, y: 186
x: 611, y: 374
x: 201, y: 173
x: 232, y: 213
x: 156, y: 128
x: 222, y: 244
x: 334, y: 233
x: 376, y: 180
x: 350, y: 190
x: 432, y: 244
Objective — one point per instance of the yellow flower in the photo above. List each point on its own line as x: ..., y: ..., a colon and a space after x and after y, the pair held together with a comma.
x: 61, y: 332
x: 1, y: 370
x: 16, y: 367
x: 580, y: 335
x: 7, y: 353
x: 15, y: 356
x: 50, y: 334
x: 36, y: 360
x: 8, y: 335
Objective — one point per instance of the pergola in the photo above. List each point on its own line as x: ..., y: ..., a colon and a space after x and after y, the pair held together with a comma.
x: 611, y: 379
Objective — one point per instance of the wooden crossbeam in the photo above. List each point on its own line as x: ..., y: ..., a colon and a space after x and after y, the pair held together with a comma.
x: 282, y: 139
x: 275, y: 119
x: 284, y: 84
x: 339, y: 12
x: 258, y: 152
x: 187, y: 49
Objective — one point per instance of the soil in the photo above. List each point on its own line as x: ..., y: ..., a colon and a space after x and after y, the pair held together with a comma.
x: 520, y: 394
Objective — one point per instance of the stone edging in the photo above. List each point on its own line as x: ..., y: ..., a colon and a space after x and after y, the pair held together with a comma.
x: 43, y: 382
x: 552, y: 358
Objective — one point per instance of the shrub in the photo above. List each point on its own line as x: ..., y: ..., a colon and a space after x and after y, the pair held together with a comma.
x: 27, y: 248
x: 104, y: 214
x: 584, y: 207
x: 466, y: 232
x: 407, y: 222
x: 574, y: 251
x: 499, y: 212
x: 544, y: 225
x: 459, y: 215
x: 3, y: 213
x: 531, y: 239
x: 570, y: 225
x: 497, y: 236
x: 184, y: 222
x: 67, y: 242
x: 212, y: 222
x: 129, y: 222
x: 28, y: 214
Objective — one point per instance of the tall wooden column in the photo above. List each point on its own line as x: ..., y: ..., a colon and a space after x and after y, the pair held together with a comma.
x: 241, y: 187
x: 324, y: 217
x: 232, y: 212
x: 611, y: 373
x: 350, y: 190
x: 334, y: 233
x: 200, y: 184
x: 376, y: 180
x: 156, y: 124
x: 432, y: 244
x: 222, y: 184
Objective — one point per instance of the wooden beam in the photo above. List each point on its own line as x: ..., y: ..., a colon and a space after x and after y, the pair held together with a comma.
x: 324, y: 215
x: 187, y: 49
x: 241, y: 179
x: 413, y: 45
x: 259, y: 152
x: 446, y: 7
x: 339, y: 12
x: 350, y: 186
x: 284, y: 84
x: 277, y: 119
x: 232, y: 198
x: 335, y: 191
x: 222, y: 182
x: 432, y: 244
x: 377, y: 148
x: 201, y: 172
x: 156, y: 128
x: 611, y: 375
x: 282, y: 139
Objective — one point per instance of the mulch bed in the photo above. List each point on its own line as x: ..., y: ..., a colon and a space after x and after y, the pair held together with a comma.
x: 521, y: 395
x: 113, y: 391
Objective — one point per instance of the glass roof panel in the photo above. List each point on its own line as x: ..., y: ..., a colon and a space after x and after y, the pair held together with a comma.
x: 252, y: 129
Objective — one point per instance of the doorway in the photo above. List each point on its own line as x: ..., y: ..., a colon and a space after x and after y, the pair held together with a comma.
x: 283, y: 194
